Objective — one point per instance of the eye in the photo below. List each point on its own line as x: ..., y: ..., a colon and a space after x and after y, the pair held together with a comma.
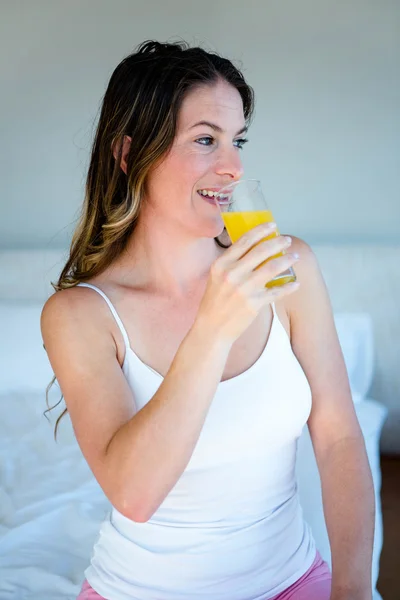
x: 207, y: 139
x: 240, y: 142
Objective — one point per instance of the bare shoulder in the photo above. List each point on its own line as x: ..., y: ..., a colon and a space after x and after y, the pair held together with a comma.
x: 68, y: 300
x: 304, y: 250
x: 307, y: 268
x: 312, y: 285
x: 69, y: 306
x: 76, y: 313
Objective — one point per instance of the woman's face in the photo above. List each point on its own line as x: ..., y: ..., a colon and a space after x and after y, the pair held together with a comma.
x: 202, y: 157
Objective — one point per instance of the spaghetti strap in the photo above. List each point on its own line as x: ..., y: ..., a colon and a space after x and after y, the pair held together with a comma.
x: 111, y: 307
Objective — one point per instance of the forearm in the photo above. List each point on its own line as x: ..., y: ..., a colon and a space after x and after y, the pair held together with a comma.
x: 349, y: 507
x: 150, y: 452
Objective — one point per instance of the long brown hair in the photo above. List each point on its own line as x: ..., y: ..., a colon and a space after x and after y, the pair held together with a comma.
x: 142, y: 100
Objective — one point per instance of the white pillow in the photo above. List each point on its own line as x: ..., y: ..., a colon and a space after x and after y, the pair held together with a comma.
x: 24, y: 362
x: 356, y: 340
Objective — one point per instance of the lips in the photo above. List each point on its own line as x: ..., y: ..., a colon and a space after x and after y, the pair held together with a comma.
x: 209, y: 199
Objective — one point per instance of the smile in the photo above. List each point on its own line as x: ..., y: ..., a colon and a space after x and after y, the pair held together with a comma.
x: 209, y: 199
x: 210, y: 195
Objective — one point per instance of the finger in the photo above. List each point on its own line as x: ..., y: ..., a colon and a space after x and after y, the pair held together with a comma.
x: 274, y: 267
x: 245, y: 243
x: 264, y: 250
x: 282, y: 290
x: 278, y: 291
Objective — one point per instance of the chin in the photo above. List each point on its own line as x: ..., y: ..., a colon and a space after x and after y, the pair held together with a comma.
x: 209, y: 220
x: 213, y: 229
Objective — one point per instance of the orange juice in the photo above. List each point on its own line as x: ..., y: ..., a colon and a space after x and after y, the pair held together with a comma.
x: 237, y: 223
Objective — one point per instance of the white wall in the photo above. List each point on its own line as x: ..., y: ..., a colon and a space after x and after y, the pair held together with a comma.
x: 325, y: 140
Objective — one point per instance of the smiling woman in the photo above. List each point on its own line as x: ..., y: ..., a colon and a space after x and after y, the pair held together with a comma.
x: 192, y: 430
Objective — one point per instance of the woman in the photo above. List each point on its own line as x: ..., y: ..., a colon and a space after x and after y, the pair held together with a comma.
x: 188, y: 381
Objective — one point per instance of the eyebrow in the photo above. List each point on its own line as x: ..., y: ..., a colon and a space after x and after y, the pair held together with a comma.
x: 217, y: 127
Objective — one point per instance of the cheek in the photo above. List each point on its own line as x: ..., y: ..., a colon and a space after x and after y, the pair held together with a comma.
x: 190, y: 163
x: 181, y: 169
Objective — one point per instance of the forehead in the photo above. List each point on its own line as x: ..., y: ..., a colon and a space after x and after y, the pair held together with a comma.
x: 219, y: 102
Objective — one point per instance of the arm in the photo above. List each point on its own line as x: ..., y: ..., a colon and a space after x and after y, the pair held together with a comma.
x: 347, y: 488
x: 136, y: 458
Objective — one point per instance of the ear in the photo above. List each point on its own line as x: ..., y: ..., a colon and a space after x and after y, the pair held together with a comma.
x: 125, y: 151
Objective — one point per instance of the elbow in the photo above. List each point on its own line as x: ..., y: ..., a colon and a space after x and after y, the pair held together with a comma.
x: 139, y: 513
x: 128, y: 500
x: 136, y: 516
x: 134, y: 501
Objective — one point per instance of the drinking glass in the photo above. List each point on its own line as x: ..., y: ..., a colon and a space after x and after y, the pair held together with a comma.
x: 243, y: 206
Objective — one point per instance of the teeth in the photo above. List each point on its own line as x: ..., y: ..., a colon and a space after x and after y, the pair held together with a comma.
x: 208, y: 193
x: 211, y: 194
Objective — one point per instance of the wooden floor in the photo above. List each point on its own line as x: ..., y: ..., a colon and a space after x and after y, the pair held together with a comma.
x: 389, y: 573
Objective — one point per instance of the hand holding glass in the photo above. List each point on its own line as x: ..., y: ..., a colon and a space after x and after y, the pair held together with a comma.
x: 243, y: 206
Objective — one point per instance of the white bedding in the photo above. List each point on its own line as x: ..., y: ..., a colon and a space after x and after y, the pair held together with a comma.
x: 50, y: 504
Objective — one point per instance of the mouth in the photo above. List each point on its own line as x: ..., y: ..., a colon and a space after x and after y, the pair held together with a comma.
x: 213, y: 197
x: 210, y: 200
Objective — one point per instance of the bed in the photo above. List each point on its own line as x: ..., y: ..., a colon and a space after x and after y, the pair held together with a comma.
x: 50, y: 504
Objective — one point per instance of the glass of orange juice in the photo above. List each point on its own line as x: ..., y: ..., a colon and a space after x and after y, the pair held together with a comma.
x: 243, y: 206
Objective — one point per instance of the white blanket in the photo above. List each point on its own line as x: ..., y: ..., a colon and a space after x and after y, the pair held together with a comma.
x: 50, y: 504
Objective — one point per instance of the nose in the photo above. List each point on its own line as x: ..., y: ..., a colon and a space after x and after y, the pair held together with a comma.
x: 229, y: 163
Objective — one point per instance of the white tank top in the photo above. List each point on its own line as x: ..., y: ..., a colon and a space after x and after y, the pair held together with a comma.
x: 232, y: 527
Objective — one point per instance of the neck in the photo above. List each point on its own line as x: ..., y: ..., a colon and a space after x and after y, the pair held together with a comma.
x: 168, y: 264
